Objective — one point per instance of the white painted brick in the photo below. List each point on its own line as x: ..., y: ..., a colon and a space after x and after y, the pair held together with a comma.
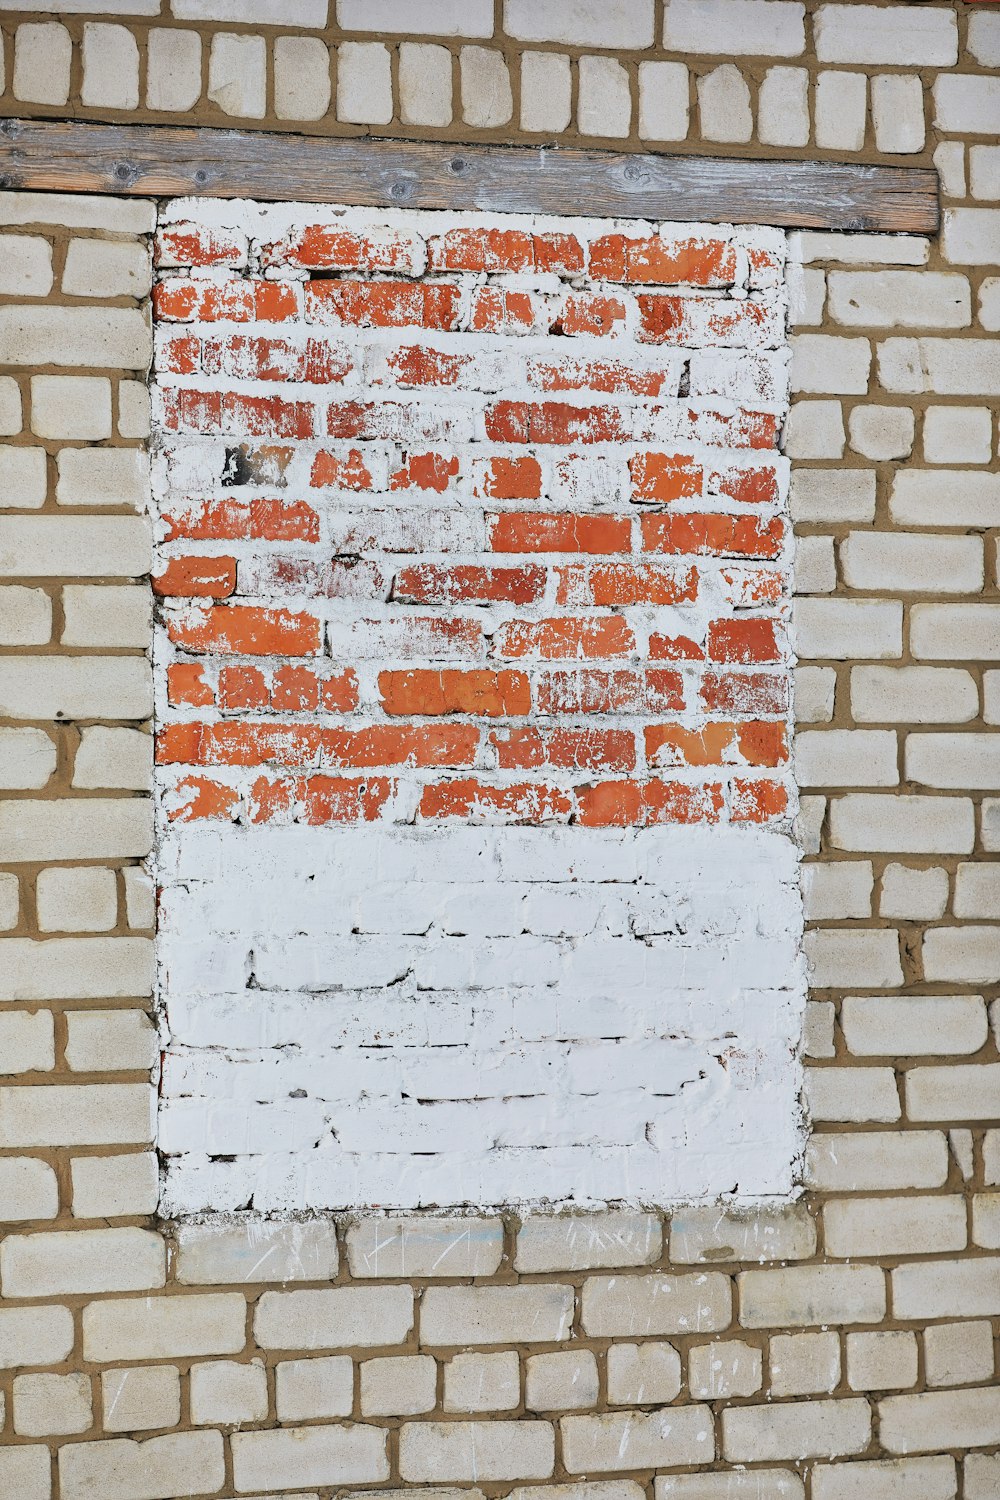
x: 237, y: 75
x: 138, y: 1399
x: 47, y: 1405
x: 487, y: 101
x: 93, y: 1260
x: 958, y: 435
x: 27, y: 758
x: 618, y: 24
x: 106, y: 1114
x: 110, y: 67
x: 336, y: 1318
x: 173, y: 69
x: 587, y: 1242
x: 877, y: 1362
x: 898, y: 113
x: 724, y: 105
x: 440, y: 17
x: 43, y: 54
x: 120, y: 1469
x: 892, y: 1226
x: 28, y: 1189
x: 836, y: 889
x: 832, y: 494
x: 804, y: 1363
x: 827, y: 365
x: 842, y: 628
x: 565, y: 1381
x: 910, y: 1026
x: 783, y: 107
x: 703, y: 1236
x: 958, y: 1353
x: 902, y: 824
x: 431, y: 1451
x: 664, y: 101
x: 913, y: 695
x: 876, y: 1160
x: 841, y: 111
x: 873, y: 34
x: 546, y: 92
x: 604, y: 107
x: 846, y: 757
x: 881, y: 432
x: 770, y: 28
x: 820, y: 1429
x: 641, y: 1374
x: 482, y: 1382
x: 425, y: 87
x: 114, y: 1187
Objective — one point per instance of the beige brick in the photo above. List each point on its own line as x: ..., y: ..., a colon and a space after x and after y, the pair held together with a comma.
x: 77, y: 1115
x: 809, y: 822
x: 881, y: 1361
x: 984, y: 39
x: 229, y: 1393
x: 11, y: 419
x: 619, y: 24
x: 103, y: 476
x: 947, y: 1288
x: 984, y: 172
x: 165, y: 1327
x: 986, y: 1220
x: 643, y: 1305
x: 962, y: 954
x: 587, y: 1242
x: 425, y: 1247
x: 949, y: 158
x: 496, y: 1315
x: 309, y: 1388
x: 817, y: 1029
x: 732, y: 1484
x: 33, y: 687
x: 881, y: 432
x: 35, y: 1336
x: 401, y: 1386
x: 991, y: 1156
x: 804, y: 1364
x: 133, y: 409
x: 783, y: 107
x: 898, y: 117
x: 638, y: 1440
x: 841, y: 110
x: 546, y: 92
x: 724, y: 1369
x: 804, y: 1295
x: 482, y: 1382
x: 902, y: 824
x: 237, y: 1254
x: 827, y: 365
x: 959, y: 435
x: 832, y: 495
x: 80, y: 210
x: 817, y: 1429
x: 137, y: 1400
x: 948, y: 367
x: 25, y: 619
x: 889, y: 1479
x: 981, y: 1476
x: 815, y: 429
x: 724, y: 105
x: 107, y: 615
x: 958, y: 1353
x: 954, y: 760
x: 302, y: 87
x: 664, y: 101
x: 706, y: 1236
x: 425, y: 84
x: 883, y: 562
x: 68, y: 828
x: 940, y: 1419
x: 173, y: 69
x: 71, y: 406
x: 872, y: 1227
x: 71, y: 900
x: 815, y: 694
x: 966, y: 1091
x: 23, y: 477
x: 121, y: 1469
x: 837, y: 889
x: 25, y: 1471
x: 597, y: 1489
x: 28, y: 1190
x: 106, y: 1041
x: 443, y: 17
x: 25, y: 265
x: 94, y: 1260
x: 309, y: 1455
x: 913, y: 893
x: 260, y: 12
x: 115, y: 759
x: 913, y: 1025
x: 869, y: 34
x: 841, y: 958
x: 27, y: 1042
x: 842, y: 628
x: 901, y: 299
x: 640, y: 1374
x: 913, y: 695
x: 74, y: 546
x: 852, y: 1094
x: 237, y: 74
x: 43, y: 54
x: 487, y: 101
x: 10, y: 897
x: 110, y: 67
x: 431, y: 1451
x: 50, y: 1405
x: 364, y: 83
x: 967, y: 105
x: 876, y: 1160
x: 604, y: 106
x: 927, y: 497
x: 564, y: 1381
x: 337, y: 1318
x: 977, y: 890
x: 118, y: 337
x: 815, y: 565
x: 115, y: 1187
x: 806, y: 295
x: 846, y: 757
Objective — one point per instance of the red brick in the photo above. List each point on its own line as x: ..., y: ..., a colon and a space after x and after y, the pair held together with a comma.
x: 416, y: 366
x: 230, y: 743
x: 340, y: 692
x: 564, y: 749
x: 425, y: 471
x: 585, y: 313
x: 614, y: 585
x: 540, y: 531
x: 610, y: 377
x: 529, y: 802
x: 589, y: 690
x: 757, y: 801
x: 316, y: 800
x: 747, y: 486
x: 595, y: 637
x: 704, y: 263
x: 760, y: 743
x: 253, y: 357
x: 186, y: 685
x: 319, y: 247
x: 744, y: 641
x: 744, y: 693
x: 708, y: 535
x: 513, y: 479
x: 340, y: 471
x: 196, y: 245
x: 246, y: 630
x: 492, y: 694
x: 623, y: 804
x: 295, y: 690
x: 496, y: 310
x: 197, y: 797
x: 193, y: 577
x: 674, y: 648
x: 662, y: 477
x: 243, y: 687
x: 434, y: 583
x: 382, y: 304
x: 555, y: 422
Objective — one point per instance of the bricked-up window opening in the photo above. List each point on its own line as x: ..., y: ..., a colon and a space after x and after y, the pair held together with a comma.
x: 473, y: 698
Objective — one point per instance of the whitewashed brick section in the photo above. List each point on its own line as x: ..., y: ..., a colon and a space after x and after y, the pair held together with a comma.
x: 563, y: 1003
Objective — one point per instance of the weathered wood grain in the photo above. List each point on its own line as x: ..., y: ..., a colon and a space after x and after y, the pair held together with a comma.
x: 160, y: 161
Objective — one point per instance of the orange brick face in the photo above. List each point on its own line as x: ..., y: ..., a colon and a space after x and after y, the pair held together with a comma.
x: 437, y: 561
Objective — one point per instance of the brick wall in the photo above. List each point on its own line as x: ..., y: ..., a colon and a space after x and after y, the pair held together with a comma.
x: 840, y: 1346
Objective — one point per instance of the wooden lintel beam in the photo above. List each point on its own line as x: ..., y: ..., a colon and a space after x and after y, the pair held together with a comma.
x: 171, y: 161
